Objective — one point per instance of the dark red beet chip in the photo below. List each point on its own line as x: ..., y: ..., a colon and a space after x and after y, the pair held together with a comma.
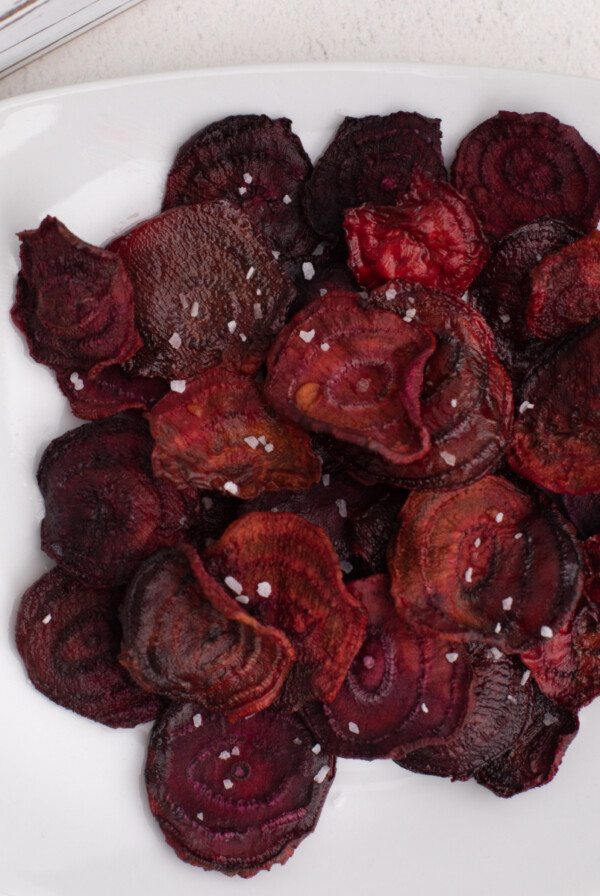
x: 186, y: 638
x: 110, y: 392
x: 68, y: 635
x: 105, y: 510
x: 287, y: 573
x: 402, y: 690
x: 510, y: 726
x: 432, y: 237
x: 556, y: 437
x: 518, y: 167
x: 74, y: 302
x: 219, y: 434
x: 501, y: 292
x: 235, y: 797
x: 466, y: 398
x: 206, y: 290
x: 485, y: 562
x: 353, y: 373
x: 256, y: 162
x: 371, y: 159
x: 565, y: 289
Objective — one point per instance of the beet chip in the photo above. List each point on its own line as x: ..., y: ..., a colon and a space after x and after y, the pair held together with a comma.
x: 219, y: 434
x: 185, y: 638
x: 403, y: 690
x: 516, y: 168
x: 484, y: 562
x: 105, y: 511
x: 466, y: 399
x: 206, y: 290
x: 501, y: 292
x: 74, y: 302
x: 236, y: 798
x: 432, y: 237
x: 286, y: 572
x: 509, y: 726
x: 556, y: 441
x: 68, y: 635
x: 353, y: 373
x: 565, y: 289
x: 110, y: 392
x: 371, y: 159
x: 256, y: 162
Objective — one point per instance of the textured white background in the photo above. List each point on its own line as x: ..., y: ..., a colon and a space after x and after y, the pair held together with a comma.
x: 160, y: 35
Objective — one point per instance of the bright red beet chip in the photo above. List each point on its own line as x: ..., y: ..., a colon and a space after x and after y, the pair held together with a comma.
x: 74, y: 302
x: 110, y: 392
x: 353, y: 373
x: 287, y: 574
x: 68, y: 635
x: 518, y: 167
x: 565, y: 289
x: 235, y: 797
x: 256, y: 162
x: 186, y: 638
x: 219, y: 434
x: 432, y: 237
x: 206, y: 290
x: 501, y: 292
x: 485, y: 562
x: 556, y: 440
x: 105, y: 510
x: 402, y: 690
x: 466, y: 397
x: 371, y: 159
x: 509, y: 725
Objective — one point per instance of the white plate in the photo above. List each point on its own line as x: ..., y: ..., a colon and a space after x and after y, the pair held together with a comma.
x: 73, y: 817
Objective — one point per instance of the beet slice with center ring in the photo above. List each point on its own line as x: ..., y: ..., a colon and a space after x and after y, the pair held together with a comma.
x: 238, y: 797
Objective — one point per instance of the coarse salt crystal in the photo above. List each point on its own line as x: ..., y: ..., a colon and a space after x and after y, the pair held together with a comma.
x: 47, y: 619
x: 200, y: 816
x: 346, y: 567
x: 269, y: 447
x: 224, y: 754
x: 262, y: 440
x: 232, y: 326
x: 477, y: 542
x: 550, y: 719
x: 259, y: 292
x: 231, y: 487
x: 390, y: 293
x: 325, y: 346
x: 452, y: 657
x: 325, y: 479
x: 525, y: 406
x: 297, y: 741
x: 424, y: 708
x: 353, y: 727
x: 316, y: 749
x: 175, y: 341
x: 321, y: 774
x: 505, y: 318
x: 469, y: 575
x: 264, y: 589
x: 252, y: 442
x: 177, y: 385
x: 409, y: 315
x: 546, y: 631
x: 194, y: 309
x: 77, y: 381
x: 511, y: 699
x: 454, y: 403
x: 197, y: 719
x: 525, y: 676
x: 507, y: 603
x: 227, y: 783
x: 242, y: 598
x: 247, y: 177
x: 518, y: 535
x: 275, y: 253
x: 448, y: 458
x: 308, y: 269
x: 342, y: 507
x: 235, y: 751
x: 323, y: 291
x: 307, y: 335
x: 498, y: 628
x: 250, y: 272
x: 287, y: 199
x: 233, y: 585
x: 496, y: 654
x: 242, y: 190
x: 243, y: 337
x: 499, y: 517
x: 207, y: 502
x: 257, y: 311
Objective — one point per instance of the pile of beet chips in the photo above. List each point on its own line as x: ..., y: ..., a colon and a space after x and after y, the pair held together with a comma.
x: 338, y: 489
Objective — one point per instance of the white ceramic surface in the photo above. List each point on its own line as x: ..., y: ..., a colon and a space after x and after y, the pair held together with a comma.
x: 73, y: 817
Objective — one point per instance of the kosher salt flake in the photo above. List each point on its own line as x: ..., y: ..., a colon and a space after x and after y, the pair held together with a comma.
x: 342, y: 433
